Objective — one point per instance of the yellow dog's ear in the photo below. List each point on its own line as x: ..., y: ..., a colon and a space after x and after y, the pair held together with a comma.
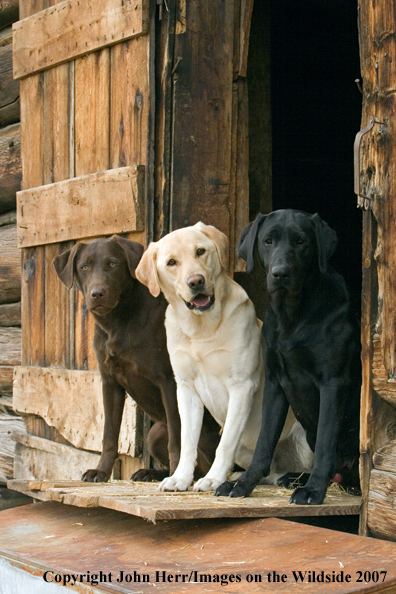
x: 219, y: 239
x: 146, y: 271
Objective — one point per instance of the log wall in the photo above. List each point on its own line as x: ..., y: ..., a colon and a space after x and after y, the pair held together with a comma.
x: 10, y: 257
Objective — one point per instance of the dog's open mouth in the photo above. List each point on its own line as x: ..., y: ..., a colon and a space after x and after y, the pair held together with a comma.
x: 201, y: 302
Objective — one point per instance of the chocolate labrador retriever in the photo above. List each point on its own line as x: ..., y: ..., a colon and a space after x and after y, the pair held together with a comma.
x: 311, y: 350
x: 130, y: 346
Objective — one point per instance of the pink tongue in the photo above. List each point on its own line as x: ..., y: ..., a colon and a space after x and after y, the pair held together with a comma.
x: 201, y: 300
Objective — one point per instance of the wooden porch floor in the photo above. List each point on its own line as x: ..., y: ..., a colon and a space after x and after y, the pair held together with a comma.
x: 144, y: 500
x: 212, y: 555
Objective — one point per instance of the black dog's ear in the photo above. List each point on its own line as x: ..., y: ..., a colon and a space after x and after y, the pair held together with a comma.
x: 247, y: 241
x: 64, y: 265
x: 132, y: 249
x: 326, y: 240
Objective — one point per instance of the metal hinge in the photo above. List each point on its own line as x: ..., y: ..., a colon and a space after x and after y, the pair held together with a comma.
x: 162, y: 3
x: 364, y: 202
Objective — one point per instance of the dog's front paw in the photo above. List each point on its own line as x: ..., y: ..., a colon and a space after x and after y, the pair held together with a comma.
x: 207, y: 484
x: 174, y: 483
x: 308, y: 496
x: 233, y: 489
x: 149, y: 475
x: 94, y: 475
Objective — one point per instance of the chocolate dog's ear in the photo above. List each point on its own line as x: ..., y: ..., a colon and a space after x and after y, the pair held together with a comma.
x: 146, y: 271
x: 247, y: 241
x: 326, y: 240
x: 64, y: 265
x: 132, y: 249
x: 219, y: 239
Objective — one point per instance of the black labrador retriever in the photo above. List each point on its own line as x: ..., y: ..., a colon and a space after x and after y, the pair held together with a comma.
x: 311, y: 349
x: 130, y: 347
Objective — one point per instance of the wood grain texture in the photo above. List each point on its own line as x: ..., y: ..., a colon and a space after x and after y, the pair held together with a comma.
x: 71, y: 401
x: 9, y: 88
x: 32, y: 307
x: 202, y: 117
x: 381, y: 504
x: 10, y: 265
x: 6, y: 379
x: 146, y: 501
x: 130, y: 102
x: 10, y: 166
x: 377, y: 28
x: 71, y: 29
x: 10, y: 346
x: 36, y: 457
x: 82, y: 207
x: 92, y: 108
x: 259, y: 547
x: 10, y: 314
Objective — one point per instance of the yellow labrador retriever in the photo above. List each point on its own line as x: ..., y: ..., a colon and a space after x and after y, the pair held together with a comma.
x: 213, y: 339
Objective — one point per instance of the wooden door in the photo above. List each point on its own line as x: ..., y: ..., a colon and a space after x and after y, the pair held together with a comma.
x: 103, y: 153
x: 377, y: 30
x: 86, y: 121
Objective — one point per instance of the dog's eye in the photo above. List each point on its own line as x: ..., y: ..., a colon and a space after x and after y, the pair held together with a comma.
x: 85, y: 267
x: 300, y: 240
x: 111, y: 264
x: 200, y: 251
x: 268, y: 241
x: 171, y: 262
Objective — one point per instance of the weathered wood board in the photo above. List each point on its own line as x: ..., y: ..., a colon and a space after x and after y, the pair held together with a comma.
x: 67, y: 540
x: 101, y: 203
x: 146, y: 501
x: 77, y: 410
x: 72, y: 28
x: 10, y: 166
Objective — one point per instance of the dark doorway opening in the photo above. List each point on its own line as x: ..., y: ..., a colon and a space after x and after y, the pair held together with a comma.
x: 302, y: 129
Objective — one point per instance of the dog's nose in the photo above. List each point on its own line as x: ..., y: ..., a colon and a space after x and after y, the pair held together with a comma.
x: 97, y: 293
x: 196, y: 282
x: 280, y: 272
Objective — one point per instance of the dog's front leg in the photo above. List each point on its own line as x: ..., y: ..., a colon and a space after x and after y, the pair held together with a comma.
x: 191, y: 411
x: 113, y: 404
x: 168, y: 393
x: 330, y: 415
x: 240, y: 402
x: 275, y: 407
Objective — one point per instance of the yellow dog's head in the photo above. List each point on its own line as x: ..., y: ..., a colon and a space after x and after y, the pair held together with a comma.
x: 185, y: 265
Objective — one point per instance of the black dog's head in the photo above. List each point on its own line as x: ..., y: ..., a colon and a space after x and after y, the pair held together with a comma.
x: 101, y: 269
x: 291, y: 244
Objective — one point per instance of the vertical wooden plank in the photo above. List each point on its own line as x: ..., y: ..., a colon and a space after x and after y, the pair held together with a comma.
x: 92, y: 112
x: 56, y: 167
x: 32, y: 306
x: 164, y: 63
x: 32, y: 102
x: 202, y: 115
x: 377, y: 26
x: 92, y: 151
x: 129, y: 94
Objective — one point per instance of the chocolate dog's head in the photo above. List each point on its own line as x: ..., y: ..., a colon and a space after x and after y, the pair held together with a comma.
x: 101, y: 269
x: 291, y: 245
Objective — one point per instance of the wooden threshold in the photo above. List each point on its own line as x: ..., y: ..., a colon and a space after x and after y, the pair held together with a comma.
x: 144, y: 500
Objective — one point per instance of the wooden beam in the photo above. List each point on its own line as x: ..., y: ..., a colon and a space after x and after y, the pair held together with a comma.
x: 10, y: 265
x: 10, y: 314
x: 10, y: 346
x: 73, y: 28
x: 36, y: 457
x: 10, y: 166
x: 77, y: 410
x: 82, y: 207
